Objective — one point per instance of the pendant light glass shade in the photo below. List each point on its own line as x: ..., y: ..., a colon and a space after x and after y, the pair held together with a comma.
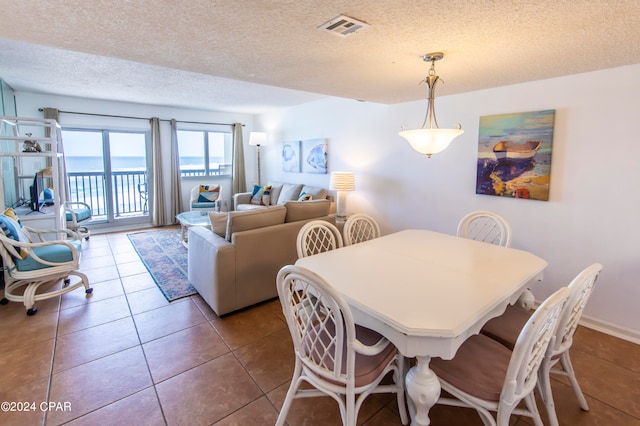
x: 431, y: 140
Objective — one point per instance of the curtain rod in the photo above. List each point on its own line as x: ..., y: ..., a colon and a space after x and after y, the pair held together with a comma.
x: 138, y: 118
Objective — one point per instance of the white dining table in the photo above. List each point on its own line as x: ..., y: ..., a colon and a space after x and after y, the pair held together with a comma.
x: 426, y: 292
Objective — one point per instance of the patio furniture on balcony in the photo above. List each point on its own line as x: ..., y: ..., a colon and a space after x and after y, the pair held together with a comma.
x: 76, y: 213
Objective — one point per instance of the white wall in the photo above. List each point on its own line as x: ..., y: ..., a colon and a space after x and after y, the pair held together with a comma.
x: 594, y: 201
x: 29, y: 103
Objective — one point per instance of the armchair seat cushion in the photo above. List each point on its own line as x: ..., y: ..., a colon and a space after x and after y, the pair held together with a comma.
x: 57, y: 253
x: 81, y: 214
x: 203, y: 205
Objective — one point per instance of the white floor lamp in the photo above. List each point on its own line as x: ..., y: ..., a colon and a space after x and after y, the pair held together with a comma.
x: 342, y: 182
x: 257, y: 139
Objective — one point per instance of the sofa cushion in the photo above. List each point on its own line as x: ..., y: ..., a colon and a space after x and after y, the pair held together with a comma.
x: 56, y: 253
x: 218, y: 223
x: 242, y: 221
x: 290, y: 191
x: 302, y: 210
x: 315, y: 191
x: 246, y: 207
x: 261, y: 195
x: 276, y: 188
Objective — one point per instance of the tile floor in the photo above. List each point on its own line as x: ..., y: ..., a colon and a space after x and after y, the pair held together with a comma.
x: 124, y: 355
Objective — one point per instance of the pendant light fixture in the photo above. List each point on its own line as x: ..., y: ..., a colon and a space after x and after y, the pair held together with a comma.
x: 433, y: 139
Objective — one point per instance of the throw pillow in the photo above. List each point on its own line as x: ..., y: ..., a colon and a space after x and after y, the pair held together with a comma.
x: 11, y: 229
x: 261, y: 195
x: 305, y: 197
x: 316, y: 192
x: 208, y: 193
x: 12, y: 214
x: 289, y: 192
x: 276, y: 188
x: 218, y: 223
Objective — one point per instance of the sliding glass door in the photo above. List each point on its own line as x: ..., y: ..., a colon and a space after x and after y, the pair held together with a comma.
x: 109, y: 170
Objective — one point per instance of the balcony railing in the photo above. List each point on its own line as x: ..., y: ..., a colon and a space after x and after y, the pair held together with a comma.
x: 129, y: 190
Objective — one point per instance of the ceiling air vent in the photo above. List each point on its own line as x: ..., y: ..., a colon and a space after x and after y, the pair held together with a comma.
x: 343, y: 26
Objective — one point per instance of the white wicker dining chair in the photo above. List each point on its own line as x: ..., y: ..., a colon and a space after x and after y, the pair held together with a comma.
x: 504, y: 329
x: 492, y: 228
x: 486, y: 226
x: 487, y: 376
x: 360, y: 227
x: 334, y: 355
x: 317, y: 236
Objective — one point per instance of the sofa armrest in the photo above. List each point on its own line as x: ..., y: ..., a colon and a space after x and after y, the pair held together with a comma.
x: 209, y: 269
x: 241, y: 198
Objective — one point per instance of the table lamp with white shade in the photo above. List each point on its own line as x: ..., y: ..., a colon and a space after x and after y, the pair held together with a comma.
x: 342, y: 182
x: 257, y: 139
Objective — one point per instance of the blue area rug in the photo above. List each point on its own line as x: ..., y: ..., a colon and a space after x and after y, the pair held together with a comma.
x: 165, y: 258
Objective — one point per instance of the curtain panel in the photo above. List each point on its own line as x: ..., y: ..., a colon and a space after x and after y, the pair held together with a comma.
x: 176, y: 187
x: 158, y: 203
x: 239, y: 180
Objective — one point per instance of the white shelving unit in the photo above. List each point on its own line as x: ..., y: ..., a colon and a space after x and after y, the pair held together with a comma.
x: 19, y: 169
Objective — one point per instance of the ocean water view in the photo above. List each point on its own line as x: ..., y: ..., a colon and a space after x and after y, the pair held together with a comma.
x: 122, y: 163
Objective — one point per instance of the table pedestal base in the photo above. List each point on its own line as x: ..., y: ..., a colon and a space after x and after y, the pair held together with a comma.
x: 423, y: 388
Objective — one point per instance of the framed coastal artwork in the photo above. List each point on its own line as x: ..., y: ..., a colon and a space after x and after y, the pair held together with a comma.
x: 314, y: 156
x: 514, y: 155
x: 291, y: 156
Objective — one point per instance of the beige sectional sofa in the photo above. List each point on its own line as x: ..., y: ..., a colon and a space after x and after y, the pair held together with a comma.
x: 235, y: 264
x: 280, y: 194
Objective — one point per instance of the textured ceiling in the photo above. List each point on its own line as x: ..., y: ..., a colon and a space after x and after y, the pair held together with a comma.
x: 249, y: 55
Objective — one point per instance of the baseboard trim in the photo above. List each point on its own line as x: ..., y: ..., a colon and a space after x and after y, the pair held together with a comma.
x: 624, y: 333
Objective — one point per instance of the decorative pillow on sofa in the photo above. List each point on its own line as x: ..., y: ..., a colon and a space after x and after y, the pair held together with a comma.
x: 290, y: 191
x: 305, y: 197
x: 261, y: 195
x: 12, y: 229
x: 252, y: 219
x: 302, y: 210
x: 276, y: 187
x: 218, y: 223
x: 208, y: 193
x: 315, y: 191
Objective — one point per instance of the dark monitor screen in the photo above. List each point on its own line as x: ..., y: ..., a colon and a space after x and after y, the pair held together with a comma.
x: 34, y: 191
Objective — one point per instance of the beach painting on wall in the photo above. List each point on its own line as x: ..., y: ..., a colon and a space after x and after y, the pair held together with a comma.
x: 314, y: 156
x: 291, y: 156
x: 514, y: 155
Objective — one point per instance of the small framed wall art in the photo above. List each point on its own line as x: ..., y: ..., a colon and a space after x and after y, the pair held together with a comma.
x: 291, y: 156
x: 314, y: 156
